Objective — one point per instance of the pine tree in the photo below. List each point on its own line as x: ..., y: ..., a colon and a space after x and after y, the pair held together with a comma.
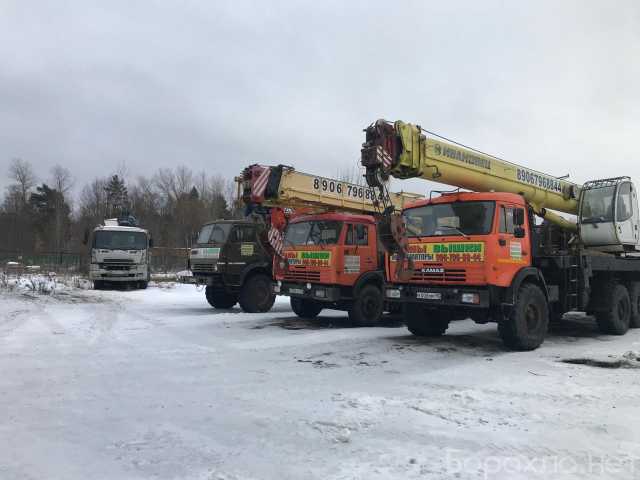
x: 117, y: 197
x: 51, y: 217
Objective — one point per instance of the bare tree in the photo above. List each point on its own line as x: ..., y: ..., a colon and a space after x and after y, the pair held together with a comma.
x: 165, y: 182
x: 184, y: 180
x: 22, y: 172
x: 61, y: 179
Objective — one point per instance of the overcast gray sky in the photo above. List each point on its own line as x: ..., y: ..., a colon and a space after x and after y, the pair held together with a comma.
x: 217, y: 85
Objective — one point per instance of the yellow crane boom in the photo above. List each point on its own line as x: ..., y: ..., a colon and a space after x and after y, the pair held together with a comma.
x: 402, y: 150
x: 282, y: 186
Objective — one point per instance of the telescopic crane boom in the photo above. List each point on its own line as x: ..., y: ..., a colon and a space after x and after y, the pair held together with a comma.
x: 402, y: 150
x: 283, y: 186
x: 606, y: 209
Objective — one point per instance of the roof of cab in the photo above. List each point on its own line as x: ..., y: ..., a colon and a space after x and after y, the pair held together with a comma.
x: 235, y: 222
x: 468, y: 197
x: 119, y: 228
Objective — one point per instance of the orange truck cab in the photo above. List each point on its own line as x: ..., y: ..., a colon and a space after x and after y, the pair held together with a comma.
x: 332, y: 261
x: 468, y: 250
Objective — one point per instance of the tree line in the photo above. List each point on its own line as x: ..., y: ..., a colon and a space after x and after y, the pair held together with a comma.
x: 42, y: 215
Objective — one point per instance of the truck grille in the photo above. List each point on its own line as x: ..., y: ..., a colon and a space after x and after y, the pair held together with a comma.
x: 302, y: 276
x: 203, y: 267
x: 117, y: 267
x: 448, y: 275
x: 117, y: 264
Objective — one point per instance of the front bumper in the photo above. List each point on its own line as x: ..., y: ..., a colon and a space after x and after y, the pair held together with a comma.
x: 313, y: 291
x: 446, y: 296
x: 118, y: 275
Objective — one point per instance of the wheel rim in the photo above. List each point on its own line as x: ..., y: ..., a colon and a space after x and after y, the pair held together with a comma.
x: 370, y: 306
x: 532, y: 317
x: 263, y: 292
x: 624, y: 309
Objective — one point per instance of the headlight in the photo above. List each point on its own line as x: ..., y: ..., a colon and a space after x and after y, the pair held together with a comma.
x: 393, y: 293
x: 308, y: 286
x: 279, y: 283
x: 276, y: 288
x: 321, y: 293
x: 470, y: 298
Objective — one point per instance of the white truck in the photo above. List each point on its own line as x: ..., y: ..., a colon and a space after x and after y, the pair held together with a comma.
x: 120, y: 253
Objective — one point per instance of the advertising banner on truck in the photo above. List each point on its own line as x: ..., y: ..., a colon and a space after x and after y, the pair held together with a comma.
x: 312, y: 258
x: 446, y: 252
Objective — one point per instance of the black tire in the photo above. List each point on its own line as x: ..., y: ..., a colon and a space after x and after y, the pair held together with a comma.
x: 615, y: 318
x: 143, y: 285
x: 634, y: 295
x: 425, y: 323
x: 98, y: 284
x: 256, y: 295
x: 367, y: 308
x: 218, y: 298
x: 305, y: 308
x: 527, y: 325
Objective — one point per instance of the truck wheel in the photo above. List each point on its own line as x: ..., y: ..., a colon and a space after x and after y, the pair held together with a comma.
x: 634, y: 295
x: 98, y: 284
x: 367, y: 307
x: 305, y: 308
x: 526, y: 327
x: 256, y: 295
x: 615, y: 319
x: 424, y: 323
x: 143, y: 285
x: 218, y: 298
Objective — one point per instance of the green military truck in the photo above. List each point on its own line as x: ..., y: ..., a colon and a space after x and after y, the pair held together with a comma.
x: 230, y: 258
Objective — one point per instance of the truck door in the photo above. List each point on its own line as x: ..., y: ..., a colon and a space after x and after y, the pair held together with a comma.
x: 242, y: 250
x: 513, y: 243
x: 359, y: 253
x: 626, y: 214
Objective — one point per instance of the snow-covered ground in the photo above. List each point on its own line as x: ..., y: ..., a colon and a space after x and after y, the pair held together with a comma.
x: 157, y: 384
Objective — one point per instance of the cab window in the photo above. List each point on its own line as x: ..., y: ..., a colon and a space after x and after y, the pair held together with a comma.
x: 624, y: 208
x: 357, y: 234
x: 507, y: 216
x: 506, y: 219
x: 244, y: 234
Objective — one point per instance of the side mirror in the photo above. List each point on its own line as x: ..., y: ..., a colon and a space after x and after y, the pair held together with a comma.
x: 151, y: 243
x: 85, y: 238
x: 518, y: 216
x: 519, y: 232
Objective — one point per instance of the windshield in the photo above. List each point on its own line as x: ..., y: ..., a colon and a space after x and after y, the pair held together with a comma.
x: 313, y: 233
x: 457, y: 218
x: 597, y: 205
x: 112, y: 240
x: 214, y: 233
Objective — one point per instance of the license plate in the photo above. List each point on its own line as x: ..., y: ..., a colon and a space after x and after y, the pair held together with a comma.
x: 429, y: 296
x: 297, y: 291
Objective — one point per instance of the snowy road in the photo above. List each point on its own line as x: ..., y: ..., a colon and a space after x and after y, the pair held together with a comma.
x: 157, y: 385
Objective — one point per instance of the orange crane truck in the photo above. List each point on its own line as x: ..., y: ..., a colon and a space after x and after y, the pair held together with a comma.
x: 480, y: 253
x: 328, y: 257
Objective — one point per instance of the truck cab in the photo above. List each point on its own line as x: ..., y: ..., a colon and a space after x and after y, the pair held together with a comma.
x: 120, y: 254
x: 332, y: 260
x: 467, y: 250
x: 229, y: 258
